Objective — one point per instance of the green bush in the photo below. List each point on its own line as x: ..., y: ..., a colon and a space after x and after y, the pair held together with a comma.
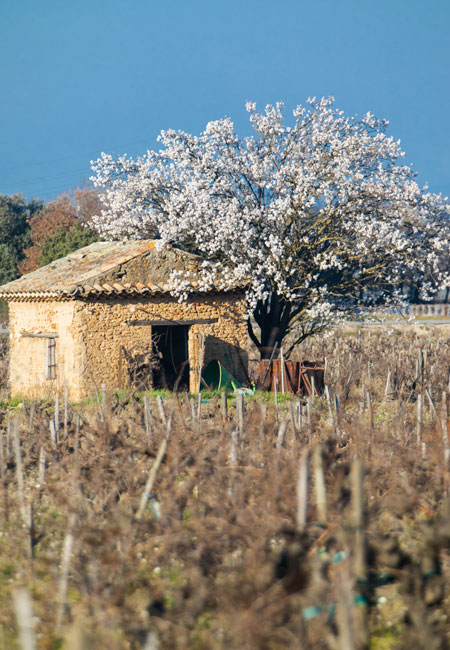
x: 64, y: 242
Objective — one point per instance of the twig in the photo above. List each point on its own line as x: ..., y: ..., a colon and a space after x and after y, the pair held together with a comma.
x: 146, y: 495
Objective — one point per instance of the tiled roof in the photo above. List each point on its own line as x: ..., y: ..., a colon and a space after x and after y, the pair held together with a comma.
x: 90, y: 272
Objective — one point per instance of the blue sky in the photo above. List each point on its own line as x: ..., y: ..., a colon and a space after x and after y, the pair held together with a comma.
x: 107, y: 75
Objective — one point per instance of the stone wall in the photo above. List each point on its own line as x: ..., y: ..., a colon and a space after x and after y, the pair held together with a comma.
x: 27, y: 368
x: 90, y: 335
x: 101, y: 328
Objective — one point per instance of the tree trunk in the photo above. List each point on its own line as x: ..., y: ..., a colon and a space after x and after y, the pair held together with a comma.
x: 272, y: 317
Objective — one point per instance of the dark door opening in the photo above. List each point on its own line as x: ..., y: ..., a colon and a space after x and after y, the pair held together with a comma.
x: 170, y: 344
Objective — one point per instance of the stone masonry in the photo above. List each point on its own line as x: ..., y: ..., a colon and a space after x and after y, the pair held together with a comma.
x: 90, y: 334
x: 76, y: 320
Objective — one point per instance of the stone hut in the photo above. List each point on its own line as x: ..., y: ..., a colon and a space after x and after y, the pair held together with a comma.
x: 105, y: 315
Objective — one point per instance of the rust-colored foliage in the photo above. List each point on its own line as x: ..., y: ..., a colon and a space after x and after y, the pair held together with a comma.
x: 63, y: 213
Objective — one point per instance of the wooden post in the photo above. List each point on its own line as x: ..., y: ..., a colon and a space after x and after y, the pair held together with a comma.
x: 444, y: 419
x: 240, y: 411
x: 224, y: 407
x: 57, y: 415
x: 193, y: 410
x: 281, y: 435
x: 433, y: 412
x: 233, y: 446
x: 19, y: 471
x: 105, y: 401
x: 299, y: 415
x: 364, y: 396
x: 387, y: 389
x: 77, y: 436
x: 146, y: 495
x: 330, y: 406
x: 359, y: 552
x: 309, y: 411
x: 200, y: 360
x: 419, y: 418
x: 64, y: 579
x: 283, y: 387
x: 66, y: 407
x: 336, y: 408
x: 370, y: 409
x: 357, y: 479
x: 344, y: 616
x: 162, y: 412
x: 320, y: 486
x: 421, y: 364
x: 199, y: 410
x: 30, y: 524
x: 99, y: 404
x: 53, y: 436
x: 2, y: 457
x: 152, y: 642
x: 24, y: 615
x: 263, y: 416
x: 302, y: 492
x: 275, y: 382
x: 41, y: 470
x: 292, y: 415
x: 148, y: 426
x: 32, y: 412
x: 9, y: 443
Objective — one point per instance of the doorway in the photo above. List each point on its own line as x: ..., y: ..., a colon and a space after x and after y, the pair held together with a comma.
x: 170, y: 344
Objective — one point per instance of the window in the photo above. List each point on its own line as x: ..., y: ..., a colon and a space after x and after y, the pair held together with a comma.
x: 50, y: 358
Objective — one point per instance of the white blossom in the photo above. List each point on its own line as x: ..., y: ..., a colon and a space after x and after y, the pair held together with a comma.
x: 315, y: 219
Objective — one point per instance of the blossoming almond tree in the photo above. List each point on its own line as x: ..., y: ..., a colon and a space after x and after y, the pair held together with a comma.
x: 316, y: 219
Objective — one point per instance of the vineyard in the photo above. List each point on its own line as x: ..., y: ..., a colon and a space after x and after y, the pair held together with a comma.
x: 236, y: 522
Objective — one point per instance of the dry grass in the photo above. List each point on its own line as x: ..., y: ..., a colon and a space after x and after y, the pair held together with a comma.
x: 218, y: 559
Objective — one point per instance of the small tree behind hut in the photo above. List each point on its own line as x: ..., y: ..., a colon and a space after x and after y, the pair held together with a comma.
x: 318, y: 218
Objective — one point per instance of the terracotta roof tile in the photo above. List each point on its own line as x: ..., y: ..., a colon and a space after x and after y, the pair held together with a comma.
x: 104, y: 268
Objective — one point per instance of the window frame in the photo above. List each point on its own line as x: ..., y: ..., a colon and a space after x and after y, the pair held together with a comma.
x: 50, y: 358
